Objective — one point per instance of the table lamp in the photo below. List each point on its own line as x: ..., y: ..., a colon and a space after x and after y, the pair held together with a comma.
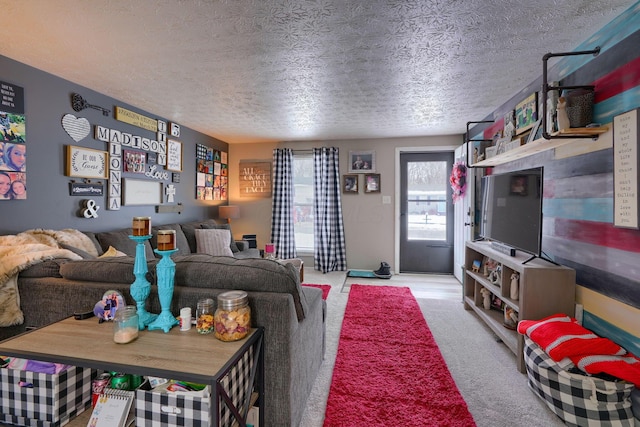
x: 228, y: 212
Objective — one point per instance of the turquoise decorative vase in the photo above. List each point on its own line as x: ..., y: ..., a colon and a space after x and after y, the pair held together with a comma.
x: 166, y: 270
x: 141, y: 287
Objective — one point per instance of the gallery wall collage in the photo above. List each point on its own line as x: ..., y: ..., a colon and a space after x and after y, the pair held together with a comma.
x: 212, y: 173
x: 140, y: 168
x: 13, y: 143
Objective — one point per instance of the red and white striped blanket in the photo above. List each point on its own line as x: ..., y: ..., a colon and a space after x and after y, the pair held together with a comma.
x: 561, y: 336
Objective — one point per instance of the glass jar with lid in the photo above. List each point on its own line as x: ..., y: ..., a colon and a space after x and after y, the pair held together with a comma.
x: 233, y: 316
x: 125, y: 325
x: 204, y: 316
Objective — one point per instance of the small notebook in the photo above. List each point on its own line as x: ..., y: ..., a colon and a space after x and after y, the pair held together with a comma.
x: 112, y: 408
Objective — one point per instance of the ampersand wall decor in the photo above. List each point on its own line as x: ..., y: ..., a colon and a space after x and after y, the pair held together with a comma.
x: 90, y: 209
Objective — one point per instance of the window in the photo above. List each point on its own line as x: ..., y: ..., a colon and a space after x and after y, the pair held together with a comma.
x: 303, y: 202
x: 427, y: 200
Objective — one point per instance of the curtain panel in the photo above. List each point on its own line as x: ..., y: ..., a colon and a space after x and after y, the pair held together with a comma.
x: 330, y: 252
x: 282, y: 232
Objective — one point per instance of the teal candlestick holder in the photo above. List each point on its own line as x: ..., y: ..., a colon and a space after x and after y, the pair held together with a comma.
x: 166, y: 270
x: 141, y: 288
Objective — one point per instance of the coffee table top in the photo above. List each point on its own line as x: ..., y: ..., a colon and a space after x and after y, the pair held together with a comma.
x: 177, y: 354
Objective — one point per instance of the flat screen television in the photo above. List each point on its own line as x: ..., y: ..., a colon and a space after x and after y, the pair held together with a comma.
x: 512, y: 209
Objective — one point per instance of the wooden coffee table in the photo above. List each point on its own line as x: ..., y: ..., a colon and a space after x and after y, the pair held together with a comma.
x: 184, y: 355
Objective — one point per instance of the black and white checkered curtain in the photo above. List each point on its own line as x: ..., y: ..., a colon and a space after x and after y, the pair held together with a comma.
x: 330, y: 253
x: 282, y: 233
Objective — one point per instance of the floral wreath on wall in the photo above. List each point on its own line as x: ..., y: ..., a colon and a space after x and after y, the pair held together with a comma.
x: 458, y: 181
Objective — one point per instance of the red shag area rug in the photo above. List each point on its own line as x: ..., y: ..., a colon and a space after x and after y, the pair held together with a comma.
x: 324, y: 288
x: 389, y: 370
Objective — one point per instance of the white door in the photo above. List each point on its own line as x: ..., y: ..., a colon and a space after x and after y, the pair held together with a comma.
x: 464, y: 214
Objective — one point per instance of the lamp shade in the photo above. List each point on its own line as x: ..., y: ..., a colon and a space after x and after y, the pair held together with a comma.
x: 229, y: 212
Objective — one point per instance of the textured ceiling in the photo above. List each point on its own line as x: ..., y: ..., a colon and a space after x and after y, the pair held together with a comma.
x: 287, y: 70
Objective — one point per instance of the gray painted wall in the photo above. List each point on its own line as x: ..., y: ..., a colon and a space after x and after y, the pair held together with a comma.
x: 49, y: 205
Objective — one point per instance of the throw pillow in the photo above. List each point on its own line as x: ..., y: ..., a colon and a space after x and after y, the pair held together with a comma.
x: 213, y: 242
x: 112, y: 252
x: 232, y: 244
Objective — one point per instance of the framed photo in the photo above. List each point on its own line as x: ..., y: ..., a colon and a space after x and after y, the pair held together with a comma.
x: 86, y: 162
x: 509, y: 124
x: 497, y: 303
x: 372, y: 183
x: 362, y: 161
x: 519, y: 185
x: 133, y: 161
x: 527, y: 113
x: 174, y: 156
x: 350, y: 184
x: 536, y: 131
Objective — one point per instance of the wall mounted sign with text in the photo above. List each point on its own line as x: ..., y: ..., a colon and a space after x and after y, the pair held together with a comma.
x: 86, y: 162
x: 255, y: 178
x: 135, y: 119
x: 625, y: 170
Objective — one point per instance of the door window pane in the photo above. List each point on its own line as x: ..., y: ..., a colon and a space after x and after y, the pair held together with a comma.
x: 427, y: 200
x: 303, y: 202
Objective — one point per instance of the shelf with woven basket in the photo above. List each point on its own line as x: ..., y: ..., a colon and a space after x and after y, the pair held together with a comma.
x: 541, y: 144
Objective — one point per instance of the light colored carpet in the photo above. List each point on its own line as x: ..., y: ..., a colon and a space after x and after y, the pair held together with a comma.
x: 484, y: 370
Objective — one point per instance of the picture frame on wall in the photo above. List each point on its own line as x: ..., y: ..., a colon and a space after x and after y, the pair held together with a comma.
x: 350, y: 184
x: 372, y: 183
x: 526, y: 113
x: 140, y: 192
x: 255, y: 178
x: 86, y: 162
x: 362, y: 161
x: 174, y: 156
x: 133, y: 161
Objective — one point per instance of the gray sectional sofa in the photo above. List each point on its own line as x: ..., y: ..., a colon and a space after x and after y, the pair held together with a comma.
x: 292, y: 316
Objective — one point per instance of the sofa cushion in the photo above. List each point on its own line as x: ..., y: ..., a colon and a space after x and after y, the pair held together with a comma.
x: 213, y: 242
x: 48, y: 268
x: 120, y: 240
x: 188, y: 228
x: 232, y: 244
x: 92, y: 236
x: 77, y: 251
x: 256, y: 275
x: 182, y: 245
x: 113, y: 269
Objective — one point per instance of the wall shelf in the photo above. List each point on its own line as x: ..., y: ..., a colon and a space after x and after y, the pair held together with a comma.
x: 540, y: 145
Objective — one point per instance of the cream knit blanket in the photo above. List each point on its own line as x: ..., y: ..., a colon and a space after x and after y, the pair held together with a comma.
x: 20, y: 251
